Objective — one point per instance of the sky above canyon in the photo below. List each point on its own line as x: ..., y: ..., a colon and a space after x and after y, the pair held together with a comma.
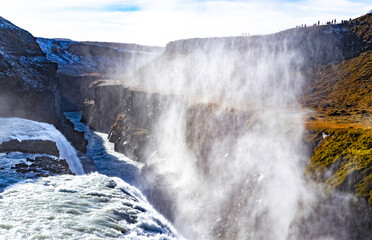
x: 156, y: 22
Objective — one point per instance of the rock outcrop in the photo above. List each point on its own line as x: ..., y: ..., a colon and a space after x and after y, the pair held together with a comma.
x: 317, y: 45
x: 30, y: 146
x: 30, y: 158
x: 28, y: 81
x: 82, y: 63
x: 43, y: 166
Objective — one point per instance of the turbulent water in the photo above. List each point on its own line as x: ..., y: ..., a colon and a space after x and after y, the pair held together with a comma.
x: 92, y: 206
x: 102, y: 151
x: 10, y: 176
x: 22, y: 129
x: 79, y: 207
x: 220, y: 175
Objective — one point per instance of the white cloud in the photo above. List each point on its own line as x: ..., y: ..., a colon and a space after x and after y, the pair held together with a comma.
x: 160, y: 21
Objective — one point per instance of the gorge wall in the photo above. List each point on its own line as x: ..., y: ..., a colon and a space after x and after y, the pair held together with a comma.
x: 27, y: 77
x: 42, y: 78
x: 189, y: 112
x: 137, y: 105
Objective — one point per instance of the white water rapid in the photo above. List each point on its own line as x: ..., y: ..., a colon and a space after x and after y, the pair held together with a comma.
x: 93, y: 206
x: 23, y: 129
x: 79, y: 207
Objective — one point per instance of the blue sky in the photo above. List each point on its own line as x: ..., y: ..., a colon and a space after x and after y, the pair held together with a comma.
x: 156, y: 22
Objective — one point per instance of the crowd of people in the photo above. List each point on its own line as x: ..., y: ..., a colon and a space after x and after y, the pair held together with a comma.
x: 333, y: 21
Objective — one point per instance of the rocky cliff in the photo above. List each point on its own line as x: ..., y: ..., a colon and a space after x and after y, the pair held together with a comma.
x: 82, y: 58
x: 340, y: 125
x: 29, y: 82
x: 339, y: 51
x: 81, y: 63
x: 335, y: 62
x: 42, y: 78
x: 27, y: 77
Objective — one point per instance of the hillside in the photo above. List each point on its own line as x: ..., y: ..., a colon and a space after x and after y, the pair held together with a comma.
x: 26, y: 76
x: 343, y: 91
x: 340, y: 126
x: 84, y: 58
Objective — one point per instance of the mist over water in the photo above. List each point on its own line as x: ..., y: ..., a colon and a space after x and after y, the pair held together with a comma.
x: 232, y: 166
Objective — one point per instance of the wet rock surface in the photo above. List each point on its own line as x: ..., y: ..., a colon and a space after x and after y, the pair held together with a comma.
x: 129, y: 139
x: 30, y: 146
x: 43, y: 166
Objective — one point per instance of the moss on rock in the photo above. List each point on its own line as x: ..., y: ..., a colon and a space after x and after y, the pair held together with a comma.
x: 343, y: 160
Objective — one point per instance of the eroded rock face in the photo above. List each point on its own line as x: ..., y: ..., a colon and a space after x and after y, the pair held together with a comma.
x: 103, y: 104
x: 76, y: 138
x: 139, y: 108
x: 129, y: 139
x: 81, y: 63
x: 27, y: 77
x: 128, y: 115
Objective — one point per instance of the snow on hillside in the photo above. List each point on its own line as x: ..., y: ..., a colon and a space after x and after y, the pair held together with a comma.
x: 5, y: 24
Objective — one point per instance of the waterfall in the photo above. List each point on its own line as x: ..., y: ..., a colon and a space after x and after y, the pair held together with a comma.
x: 23, y: 129
x: 229, y: 155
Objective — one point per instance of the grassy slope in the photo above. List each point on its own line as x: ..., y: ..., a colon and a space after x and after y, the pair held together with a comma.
x: 343, y: 160
x: 345, y: 86
x: 341, y: 122
x: 363, y: 28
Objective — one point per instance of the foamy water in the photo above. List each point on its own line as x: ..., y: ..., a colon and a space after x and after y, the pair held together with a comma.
x: 92, y: 206
x: 23, y: 129
x: 102, y: 152
x: 79, y: 207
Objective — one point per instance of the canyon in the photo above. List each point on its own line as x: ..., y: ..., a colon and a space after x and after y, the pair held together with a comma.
x: 233, y: 133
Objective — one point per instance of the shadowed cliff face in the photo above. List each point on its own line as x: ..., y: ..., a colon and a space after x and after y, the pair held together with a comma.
x: 27, y: 78
x: 29, y: 85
